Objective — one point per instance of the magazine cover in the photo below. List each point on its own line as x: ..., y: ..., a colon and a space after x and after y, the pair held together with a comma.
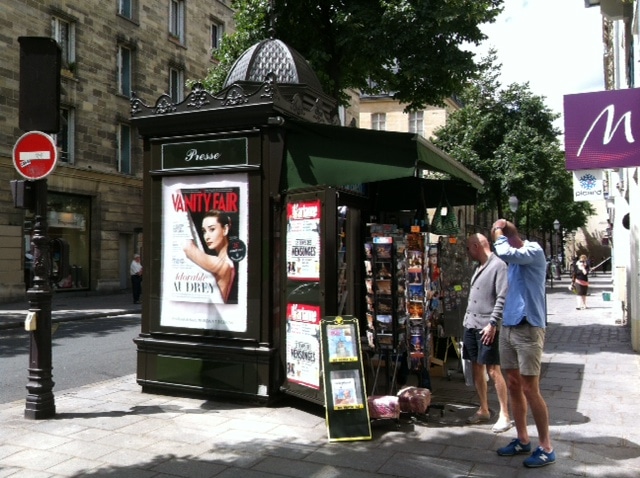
x: 342, y: 346
x: 303, y: 240
x: 303, y: 344
x: 204, y: 249
x: 345, y: 390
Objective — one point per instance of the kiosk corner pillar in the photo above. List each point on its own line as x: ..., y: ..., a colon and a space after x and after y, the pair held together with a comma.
x: 40, y: 401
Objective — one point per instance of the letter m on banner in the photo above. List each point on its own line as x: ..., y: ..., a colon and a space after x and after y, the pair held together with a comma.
x: 602, y: 129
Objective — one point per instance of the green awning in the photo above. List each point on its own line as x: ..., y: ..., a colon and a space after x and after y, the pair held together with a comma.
x: 420, y: 193
x: 318, y: 154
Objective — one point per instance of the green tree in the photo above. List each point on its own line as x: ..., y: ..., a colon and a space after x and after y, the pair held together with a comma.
x: 417, y: 49
x: 506, y: 136
x: 251, y: 26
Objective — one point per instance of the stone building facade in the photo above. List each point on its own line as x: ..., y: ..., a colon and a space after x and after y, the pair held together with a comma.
x: 108, y: 49
x: 382, y: 112
x: 385, y: 113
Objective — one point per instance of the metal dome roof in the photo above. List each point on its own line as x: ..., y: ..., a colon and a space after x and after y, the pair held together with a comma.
x: 272, y: 56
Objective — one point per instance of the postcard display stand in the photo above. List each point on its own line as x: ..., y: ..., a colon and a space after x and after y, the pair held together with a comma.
x: 416, y: 292
x: 385, y: 329
x: 454, y: 270
x: 345, y: 399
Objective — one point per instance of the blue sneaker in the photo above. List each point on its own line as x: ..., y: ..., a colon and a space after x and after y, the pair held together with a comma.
x: 540, y: 458
x: 514, y: 448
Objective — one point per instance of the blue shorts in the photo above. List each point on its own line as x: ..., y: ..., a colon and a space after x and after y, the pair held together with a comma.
x: 473, y: 349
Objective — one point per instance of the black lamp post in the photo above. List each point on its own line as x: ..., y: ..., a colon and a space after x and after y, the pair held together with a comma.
x: 40, y: 402
x: 556, y: 226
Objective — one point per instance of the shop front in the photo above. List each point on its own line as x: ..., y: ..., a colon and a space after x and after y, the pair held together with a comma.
x: 69, y: 219
x: 256, y: 213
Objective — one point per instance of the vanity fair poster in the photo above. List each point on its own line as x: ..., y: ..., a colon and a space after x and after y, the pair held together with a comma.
x: 204, y: 249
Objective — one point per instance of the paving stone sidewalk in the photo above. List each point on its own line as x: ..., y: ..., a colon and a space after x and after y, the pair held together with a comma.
x: 591, y: 381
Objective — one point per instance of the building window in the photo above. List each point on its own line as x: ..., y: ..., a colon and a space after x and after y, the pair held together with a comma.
x: 416, y: 122
x: 379, y: 121
x: 65, y: 138
x: 176, y: 85
x: 124, y: 71
x: 126, y: 8
x: 177, y: 20
x: 64, y: 34
x: 217, y: 30
x: 124, y: 148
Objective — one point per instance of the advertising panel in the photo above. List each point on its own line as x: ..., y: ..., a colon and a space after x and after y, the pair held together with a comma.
x: 601, y: 129
x: 303, y: 240
x: 303, y: 308
x: 588, y: 185
x: 204, y: 247
x: 303, y: 345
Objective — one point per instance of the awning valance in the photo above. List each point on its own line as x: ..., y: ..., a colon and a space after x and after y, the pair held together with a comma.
x: 420, y: 194
x: 318, y: 154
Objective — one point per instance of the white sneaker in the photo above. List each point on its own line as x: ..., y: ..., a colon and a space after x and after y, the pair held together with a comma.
x: 502, y: 425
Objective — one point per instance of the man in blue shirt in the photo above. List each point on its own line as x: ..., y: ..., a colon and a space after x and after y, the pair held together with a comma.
x: 522, y: 340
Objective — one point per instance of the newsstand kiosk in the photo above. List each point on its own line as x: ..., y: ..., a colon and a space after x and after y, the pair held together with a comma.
x: 254, y: 210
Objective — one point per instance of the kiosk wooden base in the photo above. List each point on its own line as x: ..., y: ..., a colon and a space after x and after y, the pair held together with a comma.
x: 206, y: 369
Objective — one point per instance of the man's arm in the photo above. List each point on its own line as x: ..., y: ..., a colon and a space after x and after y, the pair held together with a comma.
x: 498, y: 229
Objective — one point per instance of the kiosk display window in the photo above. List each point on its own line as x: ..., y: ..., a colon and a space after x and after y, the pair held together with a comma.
x: 320, y: 247
x: 303, y: 254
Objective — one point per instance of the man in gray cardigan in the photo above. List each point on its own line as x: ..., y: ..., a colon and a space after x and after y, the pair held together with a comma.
x: 487, y: 292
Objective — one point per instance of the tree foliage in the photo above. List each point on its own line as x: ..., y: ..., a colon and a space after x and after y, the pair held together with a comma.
x: 506, y: 136
x: 251, y: 26
x: 416, y: 49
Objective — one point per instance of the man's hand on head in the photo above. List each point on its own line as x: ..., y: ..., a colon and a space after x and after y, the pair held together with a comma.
x: 498, y: 229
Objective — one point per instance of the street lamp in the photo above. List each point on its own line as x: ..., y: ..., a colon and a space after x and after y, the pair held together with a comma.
x: 513, y: 205
x: 556, y: 226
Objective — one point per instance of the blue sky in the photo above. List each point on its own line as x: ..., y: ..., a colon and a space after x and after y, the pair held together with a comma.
x: 555, y: 45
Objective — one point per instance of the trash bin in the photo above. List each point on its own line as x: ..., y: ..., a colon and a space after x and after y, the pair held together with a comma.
x: 606, y: 296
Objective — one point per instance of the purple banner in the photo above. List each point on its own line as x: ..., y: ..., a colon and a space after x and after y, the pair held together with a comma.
x: 602, y: 129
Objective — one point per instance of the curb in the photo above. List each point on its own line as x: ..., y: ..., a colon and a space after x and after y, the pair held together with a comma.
x: 15, y: 323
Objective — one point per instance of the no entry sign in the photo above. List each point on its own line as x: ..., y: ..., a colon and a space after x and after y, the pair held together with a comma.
x: 35, y: 155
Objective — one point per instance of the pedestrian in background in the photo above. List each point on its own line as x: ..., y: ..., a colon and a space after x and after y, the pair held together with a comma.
x: 135, y: 269
x: 522, y: 340
x: 580, y: 280
x: 488, y: 289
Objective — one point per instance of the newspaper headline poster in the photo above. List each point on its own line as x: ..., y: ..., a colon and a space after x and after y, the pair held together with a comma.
x: 303, y: 345
x: 204, y: 250
x: 303, y: 240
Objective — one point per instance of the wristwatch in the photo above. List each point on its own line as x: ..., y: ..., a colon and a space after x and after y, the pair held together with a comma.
x: 493, y: 323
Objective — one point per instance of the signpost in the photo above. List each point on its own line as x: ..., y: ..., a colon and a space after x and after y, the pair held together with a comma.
x: 35, y: 155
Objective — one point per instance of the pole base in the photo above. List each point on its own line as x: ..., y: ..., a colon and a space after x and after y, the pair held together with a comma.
x: 40, y: 407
